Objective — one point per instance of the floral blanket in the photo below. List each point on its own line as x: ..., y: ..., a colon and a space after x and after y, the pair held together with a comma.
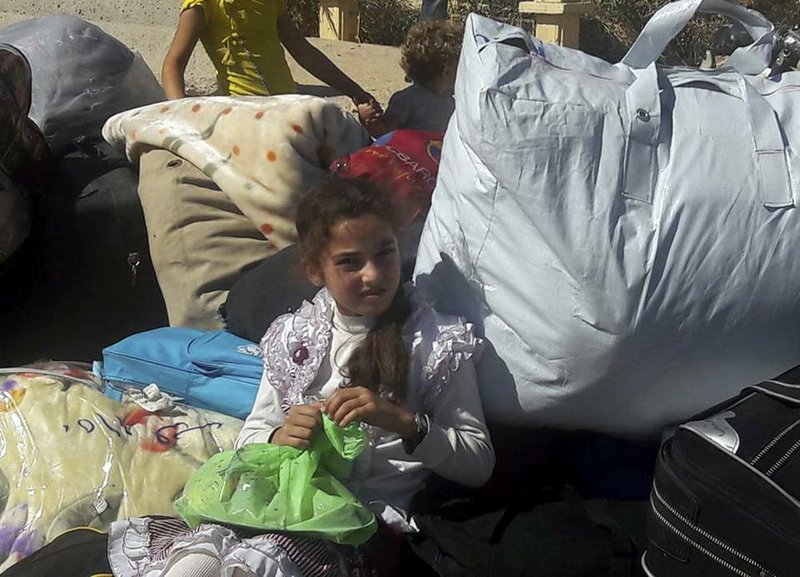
x: 71, y: 457
x: 263, y: 152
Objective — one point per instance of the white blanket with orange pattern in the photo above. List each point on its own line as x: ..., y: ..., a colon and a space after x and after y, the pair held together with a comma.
x: 263, y: 152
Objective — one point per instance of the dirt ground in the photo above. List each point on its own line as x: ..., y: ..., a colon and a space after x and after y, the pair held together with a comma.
x: 376, y: 68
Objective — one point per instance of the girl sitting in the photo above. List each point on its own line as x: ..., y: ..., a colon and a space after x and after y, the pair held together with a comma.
x: 369, y: 351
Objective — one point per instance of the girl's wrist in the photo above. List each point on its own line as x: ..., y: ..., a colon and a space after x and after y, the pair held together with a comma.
x: 361, y: 97
x: 422, y: 426
x: 273, y: 436
x: 406, y: 423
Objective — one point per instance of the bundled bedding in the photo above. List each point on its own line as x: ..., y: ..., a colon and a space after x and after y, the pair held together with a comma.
x: 72, y: 457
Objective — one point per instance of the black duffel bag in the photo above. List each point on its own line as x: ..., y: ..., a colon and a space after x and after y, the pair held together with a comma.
x: 84, y: 279
x: 726, y: 493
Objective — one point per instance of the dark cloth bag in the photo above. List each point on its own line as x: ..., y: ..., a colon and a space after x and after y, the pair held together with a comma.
x: 76, y: 553
x: 84, y: 278
x: 553, y: 533
x: 558, y: 504
x: 275, y: 286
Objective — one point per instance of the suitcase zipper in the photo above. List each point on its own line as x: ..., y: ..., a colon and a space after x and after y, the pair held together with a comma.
x: 133, y: 262
x: 656, y: 495
x: 780, y: 462
x: 773, y: 442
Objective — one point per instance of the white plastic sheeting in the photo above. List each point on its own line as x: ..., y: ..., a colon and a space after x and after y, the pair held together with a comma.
x: 80, y: 75
x: 626, y: 234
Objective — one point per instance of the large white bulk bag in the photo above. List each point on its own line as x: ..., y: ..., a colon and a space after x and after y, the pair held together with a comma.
x: 626, y: 234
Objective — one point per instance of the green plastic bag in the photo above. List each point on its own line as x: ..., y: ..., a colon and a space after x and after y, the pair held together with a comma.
x: 275, y: 488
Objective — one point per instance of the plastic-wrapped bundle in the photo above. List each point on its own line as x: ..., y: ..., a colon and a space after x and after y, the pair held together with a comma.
x: 71, y: 457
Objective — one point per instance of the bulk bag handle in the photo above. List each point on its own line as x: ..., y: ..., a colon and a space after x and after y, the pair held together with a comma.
x: 773, y: 161
x: 669, y: 20
x: 643, y: 100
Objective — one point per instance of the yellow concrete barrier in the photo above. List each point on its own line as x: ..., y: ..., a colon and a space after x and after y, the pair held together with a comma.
x: 338, y: 19
x: 557, y: 21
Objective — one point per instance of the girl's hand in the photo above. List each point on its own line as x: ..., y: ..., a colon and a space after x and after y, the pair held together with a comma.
x: 372, y: 117
x: 361, y: 404
x: 302, y: 423
x: 369, y: 111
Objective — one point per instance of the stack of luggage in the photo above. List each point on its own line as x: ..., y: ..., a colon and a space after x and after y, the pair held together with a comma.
x: 622, y: 235
x: 83, y: 277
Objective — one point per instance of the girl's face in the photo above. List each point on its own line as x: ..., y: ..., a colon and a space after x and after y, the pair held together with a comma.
x: 360, y: 266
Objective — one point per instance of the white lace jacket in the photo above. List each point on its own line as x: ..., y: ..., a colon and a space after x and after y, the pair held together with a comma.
x: 442, y: 383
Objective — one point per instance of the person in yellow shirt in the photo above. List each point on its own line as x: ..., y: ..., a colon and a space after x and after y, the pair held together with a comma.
x: 245, y: 41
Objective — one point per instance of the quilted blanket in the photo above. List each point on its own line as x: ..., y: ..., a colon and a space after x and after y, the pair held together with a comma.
x: 71, y: 457
x: 263, y: 152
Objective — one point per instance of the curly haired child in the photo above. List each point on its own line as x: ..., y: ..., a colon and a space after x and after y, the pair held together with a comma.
x: 429, y: 57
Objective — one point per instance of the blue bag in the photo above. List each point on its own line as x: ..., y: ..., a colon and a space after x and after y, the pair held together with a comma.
x: 213, y: 370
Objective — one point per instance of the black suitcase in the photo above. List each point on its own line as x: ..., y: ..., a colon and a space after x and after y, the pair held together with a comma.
x: 726, y: 492
x: 85, y: 279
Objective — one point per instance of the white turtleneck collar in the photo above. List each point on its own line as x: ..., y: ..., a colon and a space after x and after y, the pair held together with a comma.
x: 352, y: 325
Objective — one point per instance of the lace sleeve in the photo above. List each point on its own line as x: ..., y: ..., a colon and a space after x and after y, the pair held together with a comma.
x: 454, y: 345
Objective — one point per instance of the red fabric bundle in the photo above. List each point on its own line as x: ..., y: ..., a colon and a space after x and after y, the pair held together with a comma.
x: 405, y: 163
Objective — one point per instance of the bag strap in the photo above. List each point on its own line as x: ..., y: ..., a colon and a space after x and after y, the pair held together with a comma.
x: 643, y: 108
x: 668, y: 21
x: 783, y: 391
